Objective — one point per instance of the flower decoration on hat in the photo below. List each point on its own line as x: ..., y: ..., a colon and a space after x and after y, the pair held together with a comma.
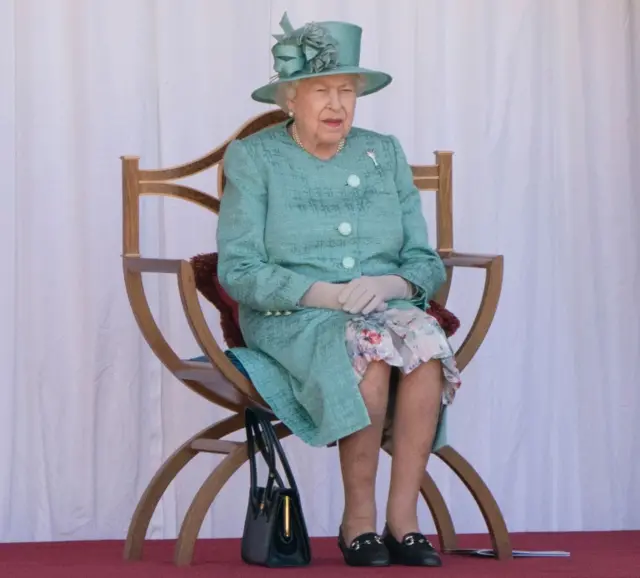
x: 310, y: 49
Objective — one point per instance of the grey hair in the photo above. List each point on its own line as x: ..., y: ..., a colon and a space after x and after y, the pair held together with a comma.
x: 287, y: 91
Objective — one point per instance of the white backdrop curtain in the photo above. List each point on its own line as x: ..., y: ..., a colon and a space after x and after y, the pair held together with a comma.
x: 539, y: 99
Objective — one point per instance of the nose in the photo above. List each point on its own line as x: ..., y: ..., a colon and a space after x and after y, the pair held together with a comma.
x: 334, y: 101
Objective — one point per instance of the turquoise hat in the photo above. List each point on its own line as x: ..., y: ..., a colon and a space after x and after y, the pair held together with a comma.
x: 318, y: 49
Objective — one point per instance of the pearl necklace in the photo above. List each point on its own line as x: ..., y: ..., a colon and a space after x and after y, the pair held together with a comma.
x: 294, y: 134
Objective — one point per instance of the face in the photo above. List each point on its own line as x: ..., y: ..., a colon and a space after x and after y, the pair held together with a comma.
x: 323, y: 108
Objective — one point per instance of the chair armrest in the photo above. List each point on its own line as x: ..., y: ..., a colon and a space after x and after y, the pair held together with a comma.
x: 136, y: 264
x: 493, y: 266
x: 455, y: 259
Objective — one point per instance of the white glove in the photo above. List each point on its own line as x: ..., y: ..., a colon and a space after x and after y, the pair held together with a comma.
x: 323, y: 295
x: 367, y: 294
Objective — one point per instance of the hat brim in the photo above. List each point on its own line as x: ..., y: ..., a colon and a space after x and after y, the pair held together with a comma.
x: 373, y: 82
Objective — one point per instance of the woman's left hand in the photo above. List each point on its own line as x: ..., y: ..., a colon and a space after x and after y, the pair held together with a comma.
x: 366, y: 294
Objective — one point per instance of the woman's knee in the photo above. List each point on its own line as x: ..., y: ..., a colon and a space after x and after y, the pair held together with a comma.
x: 426, y: 376
x: 375, y: 388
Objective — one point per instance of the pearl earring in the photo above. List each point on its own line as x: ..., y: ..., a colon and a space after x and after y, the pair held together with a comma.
x: 291, y: 113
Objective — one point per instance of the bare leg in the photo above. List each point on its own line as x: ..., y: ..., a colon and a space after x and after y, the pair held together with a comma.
x: 416, y: 415
x: 359, y: 455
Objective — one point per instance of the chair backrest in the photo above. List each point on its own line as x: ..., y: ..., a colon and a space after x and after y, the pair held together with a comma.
x: 136, y: 182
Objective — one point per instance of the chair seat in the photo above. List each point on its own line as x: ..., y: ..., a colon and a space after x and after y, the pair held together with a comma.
x: 211, y: 378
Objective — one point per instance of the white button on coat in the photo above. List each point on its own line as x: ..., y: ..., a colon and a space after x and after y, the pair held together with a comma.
x: 353, y: 181
x: 345, y: 229
x: 348, y: 262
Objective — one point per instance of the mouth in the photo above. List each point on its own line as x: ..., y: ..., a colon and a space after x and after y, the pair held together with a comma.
x: 333, y: 122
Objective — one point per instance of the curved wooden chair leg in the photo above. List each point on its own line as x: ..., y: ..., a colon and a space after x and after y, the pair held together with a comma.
x: 439, y: 512
x: 192, y: 523
x: 164, y: 476
x: 484, y: 498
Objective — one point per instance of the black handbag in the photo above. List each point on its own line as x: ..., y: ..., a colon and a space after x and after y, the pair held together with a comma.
x: 275, y: 533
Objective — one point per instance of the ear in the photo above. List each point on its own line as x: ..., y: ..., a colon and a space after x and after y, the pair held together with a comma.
x: 291, y: 94
x: 291, y: 106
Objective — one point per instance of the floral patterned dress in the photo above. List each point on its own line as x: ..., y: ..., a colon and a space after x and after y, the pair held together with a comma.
x: 402, y: 338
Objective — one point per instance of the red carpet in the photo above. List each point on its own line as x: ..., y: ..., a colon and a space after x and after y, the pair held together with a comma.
x: 593, y: 555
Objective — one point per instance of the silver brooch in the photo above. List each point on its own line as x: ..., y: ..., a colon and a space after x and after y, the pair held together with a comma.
x: 372, y: 156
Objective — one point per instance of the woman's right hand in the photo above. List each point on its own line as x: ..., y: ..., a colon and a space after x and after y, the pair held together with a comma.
x: 323, y: 295
x: 367, y: 294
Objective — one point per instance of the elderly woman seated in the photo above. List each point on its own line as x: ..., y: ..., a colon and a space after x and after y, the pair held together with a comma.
x: 322, y: 242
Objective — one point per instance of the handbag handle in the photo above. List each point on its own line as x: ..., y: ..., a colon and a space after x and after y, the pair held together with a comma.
x: 259, y: 437
x: 255, y: 437
x: 270, y: 446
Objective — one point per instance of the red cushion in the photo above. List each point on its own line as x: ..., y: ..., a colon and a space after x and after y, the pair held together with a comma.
x: 205, y: 268
x: 447, y: 320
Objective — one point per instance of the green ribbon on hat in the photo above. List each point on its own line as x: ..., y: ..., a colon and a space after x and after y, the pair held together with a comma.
x: 310, y: 49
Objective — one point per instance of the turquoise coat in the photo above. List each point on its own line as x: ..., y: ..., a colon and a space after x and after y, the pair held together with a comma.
x: 288, y: 219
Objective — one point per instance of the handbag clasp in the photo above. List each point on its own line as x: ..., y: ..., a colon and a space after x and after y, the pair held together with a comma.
x: 287, y: 517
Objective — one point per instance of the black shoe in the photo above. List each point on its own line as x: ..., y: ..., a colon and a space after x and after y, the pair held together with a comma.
x: 414, y: 550
x: 365, y: 550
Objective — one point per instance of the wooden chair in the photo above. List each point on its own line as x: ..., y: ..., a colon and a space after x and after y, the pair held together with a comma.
x: 219, y: 382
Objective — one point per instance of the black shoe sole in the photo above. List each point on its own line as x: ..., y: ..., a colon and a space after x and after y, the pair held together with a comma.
x: 368, y: 564
x: 400, y: 561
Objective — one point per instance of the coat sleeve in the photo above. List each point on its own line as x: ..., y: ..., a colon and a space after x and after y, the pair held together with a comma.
x: 244, y: 270
x: 419, y: 263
